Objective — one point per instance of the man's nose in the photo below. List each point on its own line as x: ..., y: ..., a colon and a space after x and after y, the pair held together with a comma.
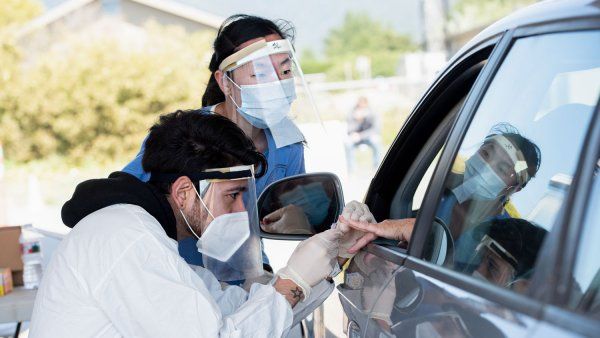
x: 239, y: 204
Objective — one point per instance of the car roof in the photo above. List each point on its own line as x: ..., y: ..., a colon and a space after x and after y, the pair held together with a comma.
x: 536, y: 14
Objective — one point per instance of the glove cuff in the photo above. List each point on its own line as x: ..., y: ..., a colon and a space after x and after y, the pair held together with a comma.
x: 336, y: 270
x: 287, y: 273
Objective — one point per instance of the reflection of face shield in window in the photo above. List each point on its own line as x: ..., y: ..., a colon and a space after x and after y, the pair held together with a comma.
x: 266, y: 79
x: 496, y: 166
x: 229, y: 242
x: 493, y: 263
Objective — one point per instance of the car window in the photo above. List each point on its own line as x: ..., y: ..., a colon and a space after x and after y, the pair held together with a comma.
x: 585, y: 286
x: 409, y: 195
x: 516, y: 160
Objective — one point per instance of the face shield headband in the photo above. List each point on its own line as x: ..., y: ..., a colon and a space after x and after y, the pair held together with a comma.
x: 516, y: 156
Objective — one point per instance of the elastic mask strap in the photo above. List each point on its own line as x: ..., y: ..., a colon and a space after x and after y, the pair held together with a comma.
x: 185, y: 218
x: 204, y: 204
x: 235, y: 84
x: 188, y: 223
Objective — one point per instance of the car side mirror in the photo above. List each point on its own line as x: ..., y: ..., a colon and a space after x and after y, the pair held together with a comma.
x: 300, y: 206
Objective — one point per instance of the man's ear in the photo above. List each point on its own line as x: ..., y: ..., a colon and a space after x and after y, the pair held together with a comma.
x: 182, y: 190
x: 223, y: 82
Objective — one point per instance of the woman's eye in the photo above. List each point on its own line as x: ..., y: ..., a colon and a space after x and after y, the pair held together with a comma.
x: 234, y: 195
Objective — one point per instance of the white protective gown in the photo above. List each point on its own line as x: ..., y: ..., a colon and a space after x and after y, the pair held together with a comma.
x: 117, y: 274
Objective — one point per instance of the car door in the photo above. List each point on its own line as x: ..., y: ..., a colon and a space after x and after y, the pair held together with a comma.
x: 426, y: 128
x: 522, y: 127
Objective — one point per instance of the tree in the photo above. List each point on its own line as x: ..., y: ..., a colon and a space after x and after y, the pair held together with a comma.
x: 18, y: 11
x: 359, y: 35
x: 96, y: 102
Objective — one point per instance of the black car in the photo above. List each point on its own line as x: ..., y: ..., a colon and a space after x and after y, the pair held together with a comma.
x: 506, y: 145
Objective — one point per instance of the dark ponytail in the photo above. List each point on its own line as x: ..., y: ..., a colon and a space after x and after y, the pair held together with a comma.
x: 234, y: 31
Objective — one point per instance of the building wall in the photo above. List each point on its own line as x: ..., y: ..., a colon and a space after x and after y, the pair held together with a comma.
x: 138, y: 14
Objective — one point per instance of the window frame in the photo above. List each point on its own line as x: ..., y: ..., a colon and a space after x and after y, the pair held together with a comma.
x: 397, y: 163
x: 574, y: 215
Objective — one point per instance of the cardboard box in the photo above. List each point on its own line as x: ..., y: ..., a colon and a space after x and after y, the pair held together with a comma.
x: 10, y: 252
x: 6, y: 283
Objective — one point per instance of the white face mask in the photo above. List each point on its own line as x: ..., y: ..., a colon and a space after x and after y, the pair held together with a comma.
x: 265, y: 105
x: 224, y: 235
x: 481, y: 180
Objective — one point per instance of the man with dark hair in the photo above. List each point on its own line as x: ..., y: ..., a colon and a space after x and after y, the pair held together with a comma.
x: 118, y: 272
x: 507, y: 250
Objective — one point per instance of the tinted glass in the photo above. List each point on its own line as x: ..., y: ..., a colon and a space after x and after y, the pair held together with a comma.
x: 516, y: 161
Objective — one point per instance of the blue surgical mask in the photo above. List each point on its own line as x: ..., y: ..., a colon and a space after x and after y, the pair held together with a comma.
x: 482, y: 180
x: 265, y: 105
x: 312, y: 199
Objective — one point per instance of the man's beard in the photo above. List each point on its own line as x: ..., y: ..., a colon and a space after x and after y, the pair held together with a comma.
x: 198, y: 218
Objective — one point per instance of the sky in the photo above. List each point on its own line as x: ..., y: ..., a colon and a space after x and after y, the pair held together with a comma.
x: 313, y: 19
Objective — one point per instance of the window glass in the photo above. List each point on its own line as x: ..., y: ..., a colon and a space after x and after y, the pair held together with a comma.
x: 516, y: 161
x: 585, y: 289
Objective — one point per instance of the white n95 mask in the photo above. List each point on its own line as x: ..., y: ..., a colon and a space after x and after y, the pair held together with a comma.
x: 224, y: 236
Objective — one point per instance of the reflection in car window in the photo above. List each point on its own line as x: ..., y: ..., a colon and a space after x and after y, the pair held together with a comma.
x: 370, y: 290
x: 515, y: 164
x: 585, y: 288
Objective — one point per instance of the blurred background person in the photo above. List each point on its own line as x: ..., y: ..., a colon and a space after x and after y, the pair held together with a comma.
x: 363, y: 128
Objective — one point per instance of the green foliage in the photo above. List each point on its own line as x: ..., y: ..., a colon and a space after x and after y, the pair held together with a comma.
x: 18, y: 11
x: 311, y: 64
x: 96, y: 102
x: 359, y: 35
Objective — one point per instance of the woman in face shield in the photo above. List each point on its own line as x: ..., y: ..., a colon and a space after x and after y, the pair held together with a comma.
x: 252, y: 83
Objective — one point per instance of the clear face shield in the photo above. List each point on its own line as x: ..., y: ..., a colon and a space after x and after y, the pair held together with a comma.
x: 229, y: 240
x: 268, y: 88
x: 493, y: 263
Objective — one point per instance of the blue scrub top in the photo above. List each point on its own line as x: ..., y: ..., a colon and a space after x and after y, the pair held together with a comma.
x: 282, y: 162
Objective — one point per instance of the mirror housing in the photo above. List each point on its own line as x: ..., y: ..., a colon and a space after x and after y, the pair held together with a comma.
x: 297, y: 207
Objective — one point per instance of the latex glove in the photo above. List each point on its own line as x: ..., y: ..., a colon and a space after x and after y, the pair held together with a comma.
x: 287, y: 220
x: 313, y: 260
x: 355, y: 211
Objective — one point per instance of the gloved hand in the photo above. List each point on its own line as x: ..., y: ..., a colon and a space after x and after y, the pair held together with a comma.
x: 313, y: 260
x: 287, y: 220
x: 355, y: 211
